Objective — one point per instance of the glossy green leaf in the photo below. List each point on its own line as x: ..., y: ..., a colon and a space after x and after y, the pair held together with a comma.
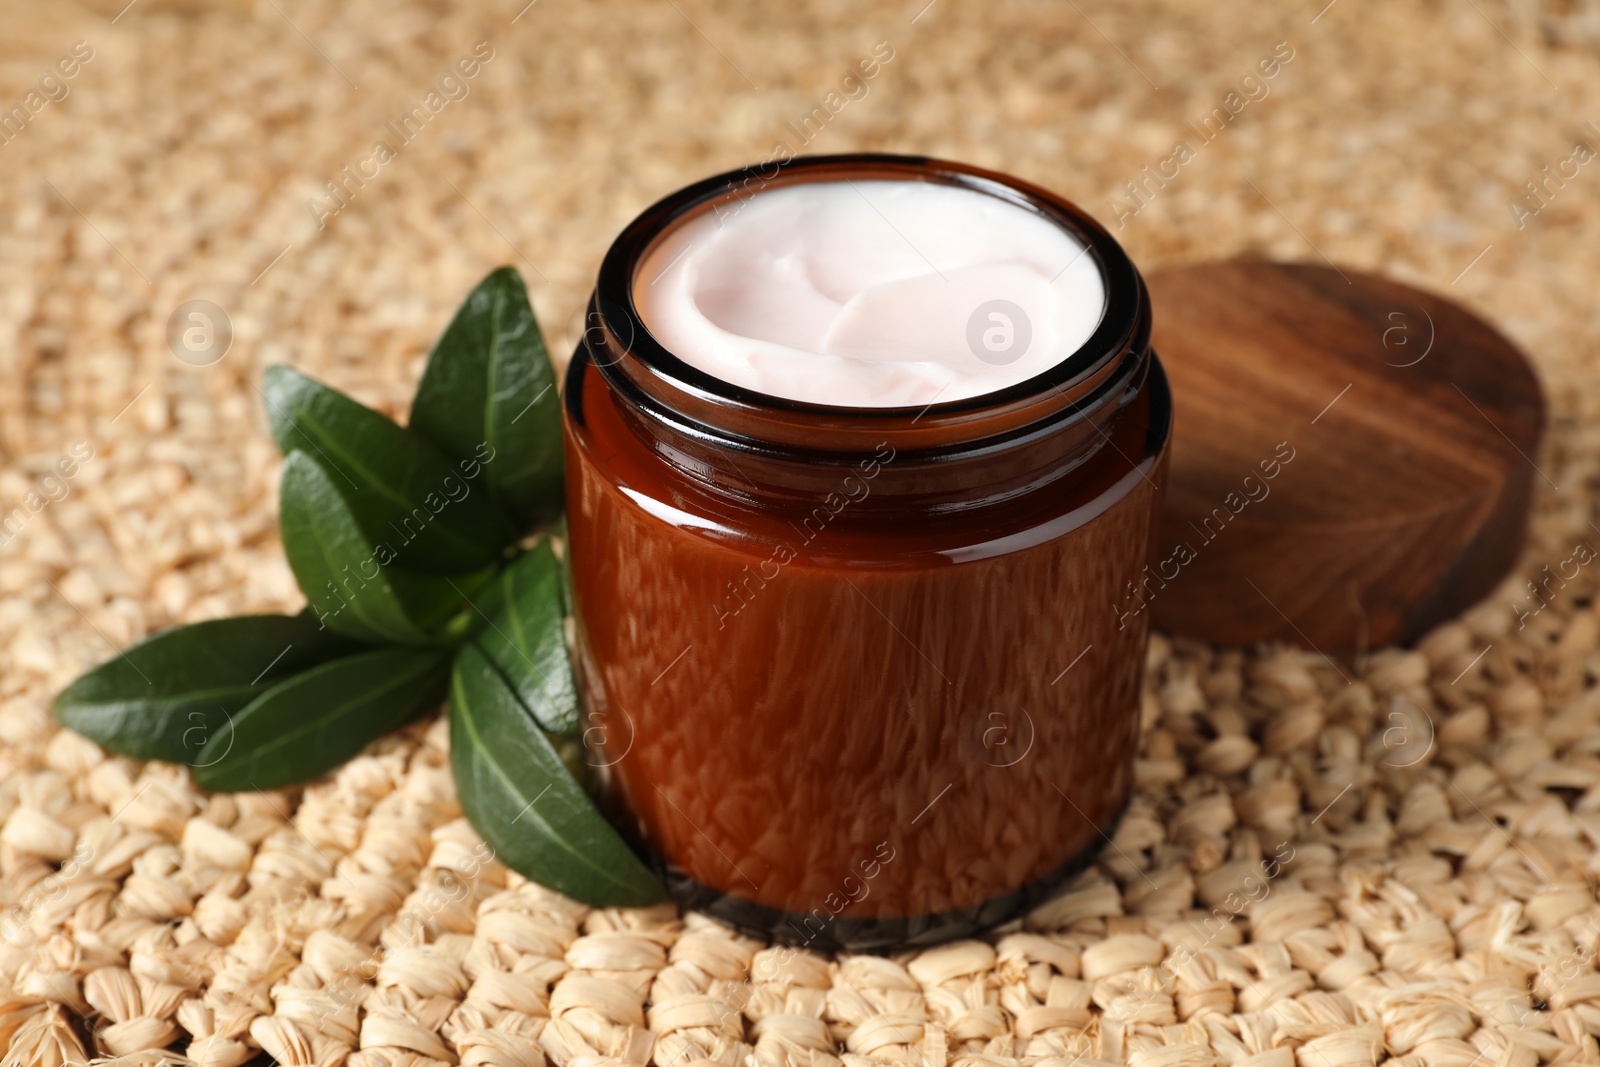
x: 311, y: 723
x: 522, y: 630
x: 559, y: 538
x: 431, y: 515
x: 433, y: 601
x: 349, y: 590
x: 164, y: 697
x: 489, y: 382
x: 523, y: 801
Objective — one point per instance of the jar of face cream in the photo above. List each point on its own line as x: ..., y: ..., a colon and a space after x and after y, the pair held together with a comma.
x: 862, y: 454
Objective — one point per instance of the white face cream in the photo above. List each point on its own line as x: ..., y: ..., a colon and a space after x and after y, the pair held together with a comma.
x: 870, y: 293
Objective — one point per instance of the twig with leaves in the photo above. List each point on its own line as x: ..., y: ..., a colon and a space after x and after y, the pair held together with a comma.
x: 428, y: 554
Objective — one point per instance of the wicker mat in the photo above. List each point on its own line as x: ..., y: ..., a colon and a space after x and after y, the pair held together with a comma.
x: 1303, y: 877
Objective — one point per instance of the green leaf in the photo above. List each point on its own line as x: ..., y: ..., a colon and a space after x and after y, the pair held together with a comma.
x: 558, y: 535
x: 315, y: 721
x: 335, y: 564
x: 434, y: 602
x: 522, y: 800
x: 432, y: 516
x: 164, y: 697
x: 522, y: 631
x: 489, y: 382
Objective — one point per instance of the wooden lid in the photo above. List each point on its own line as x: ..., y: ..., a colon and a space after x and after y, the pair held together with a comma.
x: 1352, y: 459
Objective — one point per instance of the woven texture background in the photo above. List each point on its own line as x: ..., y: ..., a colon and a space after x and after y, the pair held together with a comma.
x: 1307, y: 875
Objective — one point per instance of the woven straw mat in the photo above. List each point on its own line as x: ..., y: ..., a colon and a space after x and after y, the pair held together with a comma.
x: 1440, y: 910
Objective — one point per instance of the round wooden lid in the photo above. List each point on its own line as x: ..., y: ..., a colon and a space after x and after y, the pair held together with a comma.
x: 1352, y: 460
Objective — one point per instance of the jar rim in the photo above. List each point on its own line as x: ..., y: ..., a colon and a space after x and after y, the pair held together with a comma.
x: 624, y: 348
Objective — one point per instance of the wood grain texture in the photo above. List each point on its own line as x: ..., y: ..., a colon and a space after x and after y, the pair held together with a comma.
x: 1353, y: 459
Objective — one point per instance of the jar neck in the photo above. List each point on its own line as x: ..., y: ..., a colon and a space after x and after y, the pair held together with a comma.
x: 765, y: 451
x: 911, y: 467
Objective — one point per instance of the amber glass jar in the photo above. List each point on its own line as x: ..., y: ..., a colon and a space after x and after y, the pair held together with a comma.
x: 862, y: 676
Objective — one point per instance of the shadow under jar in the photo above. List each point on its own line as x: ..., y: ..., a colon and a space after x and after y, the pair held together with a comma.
x: 862, y: 677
